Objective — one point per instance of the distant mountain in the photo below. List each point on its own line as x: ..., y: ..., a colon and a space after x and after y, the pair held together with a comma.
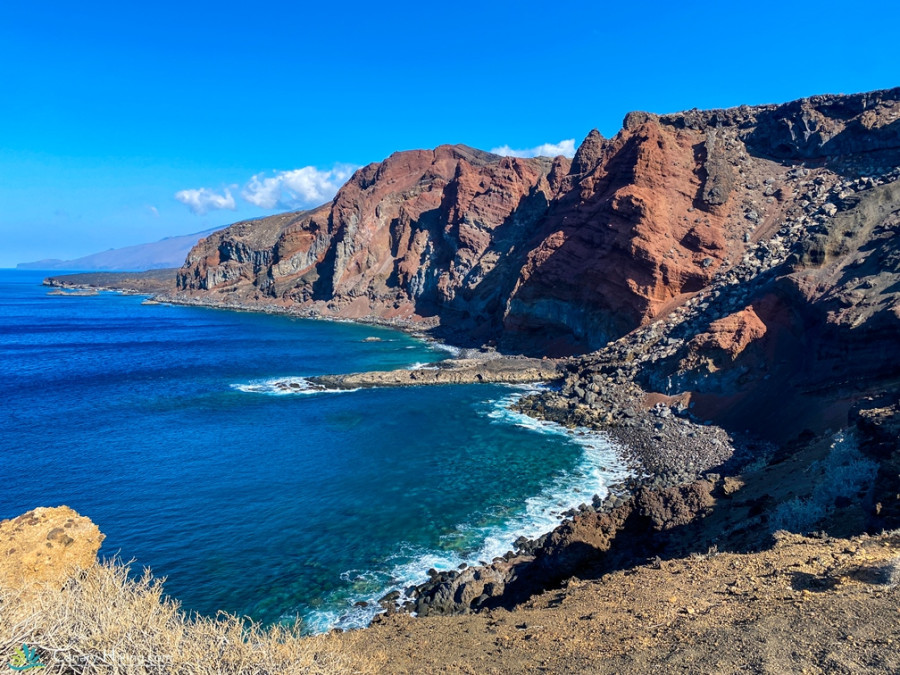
x: 168, y: 252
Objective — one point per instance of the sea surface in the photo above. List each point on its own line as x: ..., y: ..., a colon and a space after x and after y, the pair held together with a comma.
x: 163, y: 425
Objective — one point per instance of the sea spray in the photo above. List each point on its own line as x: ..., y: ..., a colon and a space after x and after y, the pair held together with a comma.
x: 285, y: 386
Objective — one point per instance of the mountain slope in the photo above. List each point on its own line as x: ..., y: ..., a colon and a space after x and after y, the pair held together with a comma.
x: 745, y: 260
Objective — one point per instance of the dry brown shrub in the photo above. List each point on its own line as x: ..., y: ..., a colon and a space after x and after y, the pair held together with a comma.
x: 105, y: 622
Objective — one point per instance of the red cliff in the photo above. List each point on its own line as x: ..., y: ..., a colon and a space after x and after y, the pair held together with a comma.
x: 556, y: 256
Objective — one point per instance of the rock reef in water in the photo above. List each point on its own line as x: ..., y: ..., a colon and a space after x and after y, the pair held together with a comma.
x: 457, y: 371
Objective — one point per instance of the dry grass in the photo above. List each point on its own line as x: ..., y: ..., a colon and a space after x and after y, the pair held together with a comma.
x: 102, y: 621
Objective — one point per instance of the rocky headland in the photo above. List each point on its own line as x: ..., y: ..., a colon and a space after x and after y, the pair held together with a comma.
x: 146, y: 283
x: 717, y: 290
x: 44, y: 545
x: 500, y: 369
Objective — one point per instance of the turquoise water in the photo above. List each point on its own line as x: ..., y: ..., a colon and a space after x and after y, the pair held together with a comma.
x: 160, y: 424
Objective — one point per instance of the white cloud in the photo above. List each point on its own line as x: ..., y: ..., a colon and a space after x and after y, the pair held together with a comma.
x: 153, y: 211
x: 298, y: 188
x: 565, y: 148
x: 204, y: 200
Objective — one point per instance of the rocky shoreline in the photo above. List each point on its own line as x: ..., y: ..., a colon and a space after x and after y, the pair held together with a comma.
x: 666, y: 446
x: 736, y: 502
x: 676, y: 459
x: 663, y: 443
x: 134, y: 283
x: 678, y: 464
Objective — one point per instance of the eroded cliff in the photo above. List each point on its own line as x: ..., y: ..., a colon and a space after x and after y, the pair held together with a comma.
x: 551, y: 256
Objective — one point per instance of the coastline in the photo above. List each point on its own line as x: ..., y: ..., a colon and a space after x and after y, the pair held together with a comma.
x: 468, y: 366
x: 600, y: 476
x: 651, y: 442
x: 674, y: 461
x: 722, y: 273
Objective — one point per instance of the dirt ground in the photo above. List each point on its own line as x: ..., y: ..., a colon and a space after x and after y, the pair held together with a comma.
x: 806, y: 605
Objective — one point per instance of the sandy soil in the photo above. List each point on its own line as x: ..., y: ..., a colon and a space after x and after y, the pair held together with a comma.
x: 804, y: 606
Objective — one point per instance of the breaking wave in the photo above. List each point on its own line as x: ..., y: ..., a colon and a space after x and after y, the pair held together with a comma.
x: 490, y: 534
x: 285, y: 386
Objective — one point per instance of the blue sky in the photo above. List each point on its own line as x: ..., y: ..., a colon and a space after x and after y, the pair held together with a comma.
x: 122, y: 123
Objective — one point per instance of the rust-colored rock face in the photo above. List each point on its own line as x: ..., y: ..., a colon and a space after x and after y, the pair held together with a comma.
x: 551, y: 256
x: 723, y: 341
x: 631, y: 235
x: 418, y: 236
x: 45, y: 545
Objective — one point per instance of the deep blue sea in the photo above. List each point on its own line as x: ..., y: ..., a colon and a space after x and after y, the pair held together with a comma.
x: 161, y: 424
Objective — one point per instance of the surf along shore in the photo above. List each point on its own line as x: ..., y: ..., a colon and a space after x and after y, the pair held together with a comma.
x: 642, y: 579
x: 665, y: 446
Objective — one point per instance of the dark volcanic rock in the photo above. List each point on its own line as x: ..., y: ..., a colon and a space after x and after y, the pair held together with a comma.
x: 829, y: 125
x: 594, y: 541
x: 152, y: 281
x: 879, y: 438
x: 719, y: 180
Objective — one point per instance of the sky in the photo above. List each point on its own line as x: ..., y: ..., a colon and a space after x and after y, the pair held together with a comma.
x: 122, y: 123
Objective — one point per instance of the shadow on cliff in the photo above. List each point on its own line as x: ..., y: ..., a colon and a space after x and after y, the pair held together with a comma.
x: 578, y: 293
x: 474, y: 316
x: 818, y: 366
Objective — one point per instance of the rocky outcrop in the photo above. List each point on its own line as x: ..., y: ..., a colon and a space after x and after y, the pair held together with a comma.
x: 725, y: 338
x: 824, y: 126
x: 456, y: 371
x: 44, y: 546
x: 787, y: 338
x: 621, y: 241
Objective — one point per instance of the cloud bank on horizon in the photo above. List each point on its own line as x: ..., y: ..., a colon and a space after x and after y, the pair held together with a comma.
x: 566, y: 148
x: 286, y: 190
x: 204, y: 200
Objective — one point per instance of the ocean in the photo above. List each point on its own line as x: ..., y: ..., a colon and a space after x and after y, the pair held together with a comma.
x: 163, y: 425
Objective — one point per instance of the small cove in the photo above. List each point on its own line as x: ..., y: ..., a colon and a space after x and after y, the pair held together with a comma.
x: 155, y: 422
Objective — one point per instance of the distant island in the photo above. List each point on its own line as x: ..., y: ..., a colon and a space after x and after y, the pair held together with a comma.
x: 165, y: 253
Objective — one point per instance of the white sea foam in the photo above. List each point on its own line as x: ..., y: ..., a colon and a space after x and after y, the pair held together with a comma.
x: 285, y: 386
x: 599, y: 466
x: 421, y: 365
x: 456, y: 351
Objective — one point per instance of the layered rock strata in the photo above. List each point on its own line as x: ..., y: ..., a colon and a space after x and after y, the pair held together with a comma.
x: 552, y: 256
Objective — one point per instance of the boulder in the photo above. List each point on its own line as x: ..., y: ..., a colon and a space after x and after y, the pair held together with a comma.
x: 45, y: 546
